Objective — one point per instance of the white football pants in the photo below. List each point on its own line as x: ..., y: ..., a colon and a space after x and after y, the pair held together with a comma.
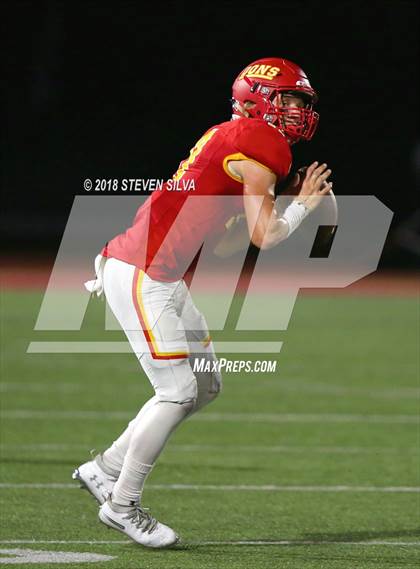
x: 166, y: 332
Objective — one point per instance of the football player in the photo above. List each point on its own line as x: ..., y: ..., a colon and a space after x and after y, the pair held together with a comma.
x: 142, y: 271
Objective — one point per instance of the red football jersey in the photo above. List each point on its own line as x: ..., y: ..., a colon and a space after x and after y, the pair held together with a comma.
x: 174, y: 222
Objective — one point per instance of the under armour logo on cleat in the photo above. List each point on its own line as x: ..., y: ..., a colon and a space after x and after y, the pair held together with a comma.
x: 120, y: 526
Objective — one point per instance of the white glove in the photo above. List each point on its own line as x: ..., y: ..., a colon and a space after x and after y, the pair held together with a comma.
x: 97, y: 285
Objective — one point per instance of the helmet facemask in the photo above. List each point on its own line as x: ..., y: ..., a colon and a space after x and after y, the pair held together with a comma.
x: 295, y: 122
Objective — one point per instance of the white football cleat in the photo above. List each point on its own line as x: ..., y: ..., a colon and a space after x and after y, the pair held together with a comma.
x: 95, y: 480
x: 137, y: 524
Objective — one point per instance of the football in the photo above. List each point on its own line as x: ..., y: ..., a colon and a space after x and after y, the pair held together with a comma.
x: 291, y: 186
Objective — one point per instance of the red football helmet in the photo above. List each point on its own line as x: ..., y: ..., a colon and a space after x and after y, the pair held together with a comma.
x: 261, y: 81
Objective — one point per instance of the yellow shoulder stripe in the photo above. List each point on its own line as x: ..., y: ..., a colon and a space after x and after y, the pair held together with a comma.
x: 240, y: 156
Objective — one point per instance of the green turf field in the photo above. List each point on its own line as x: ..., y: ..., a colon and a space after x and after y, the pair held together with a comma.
x: 315, y: 466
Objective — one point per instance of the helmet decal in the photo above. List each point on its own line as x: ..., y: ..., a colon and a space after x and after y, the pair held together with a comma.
x: 260, y: 72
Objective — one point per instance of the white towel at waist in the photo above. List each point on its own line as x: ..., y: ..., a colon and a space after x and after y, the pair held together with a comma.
x: 97, y: 285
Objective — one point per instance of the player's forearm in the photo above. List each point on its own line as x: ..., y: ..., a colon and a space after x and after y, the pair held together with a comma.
x: 276, y: 232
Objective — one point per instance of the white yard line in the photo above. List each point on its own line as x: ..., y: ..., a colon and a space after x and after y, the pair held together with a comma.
x: 307, y: 418
x: 35, y: 387
x: 306, y: 542
x: 307, y: 386
x: 22, y: 414
x: 220, y: 417
x: 294, y: 449
x: 290, y: 385
x: 229, y: 487
x: 213, y: 542
x: 49, y: 447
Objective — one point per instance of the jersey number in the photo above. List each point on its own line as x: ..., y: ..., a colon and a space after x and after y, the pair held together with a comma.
x: 193, y: 154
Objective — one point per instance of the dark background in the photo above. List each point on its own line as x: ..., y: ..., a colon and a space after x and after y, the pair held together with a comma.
x: 123, y: 90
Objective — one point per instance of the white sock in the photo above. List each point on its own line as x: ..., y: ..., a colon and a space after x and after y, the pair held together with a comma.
x: 147, y: 441
x: 129, y: 486
x: 113, y: 457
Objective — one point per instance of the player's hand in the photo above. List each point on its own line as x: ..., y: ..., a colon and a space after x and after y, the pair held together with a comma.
x: 315, y: 185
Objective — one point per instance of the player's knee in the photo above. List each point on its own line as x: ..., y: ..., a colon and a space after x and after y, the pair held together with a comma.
x: 184, y: 392
x: 204, y: 399
x: 173, y: 380
x: 215, y: 385
x: 209, y: 387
